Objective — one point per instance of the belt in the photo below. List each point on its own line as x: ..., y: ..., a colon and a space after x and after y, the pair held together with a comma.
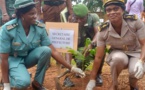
x: 53, y: 3
x: 18, y: 56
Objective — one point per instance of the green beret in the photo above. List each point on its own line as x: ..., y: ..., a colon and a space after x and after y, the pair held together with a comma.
x: 23, y: 3
x: 80, y: 10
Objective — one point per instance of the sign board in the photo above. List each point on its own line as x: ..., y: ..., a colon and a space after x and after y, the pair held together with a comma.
x: 63, y: 35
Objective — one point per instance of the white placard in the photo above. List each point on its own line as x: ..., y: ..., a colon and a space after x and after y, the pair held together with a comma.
x: 61, y: 38
x: 101, y: 20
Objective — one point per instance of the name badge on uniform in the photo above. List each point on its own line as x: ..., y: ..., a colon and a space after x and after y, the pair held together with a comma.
x: 16, y: 44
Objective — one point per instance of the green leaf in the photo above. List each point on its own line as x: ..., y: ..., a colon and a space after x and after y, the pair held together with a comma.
x: 83, y: 61
x: 87, y: 41
x: 93, y: 52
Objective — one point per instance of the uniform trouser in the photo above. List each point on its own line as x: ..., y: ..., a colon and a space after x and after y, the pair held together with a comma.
x: 52, y: 13
x: 119, y: 61
x: 19, y: 76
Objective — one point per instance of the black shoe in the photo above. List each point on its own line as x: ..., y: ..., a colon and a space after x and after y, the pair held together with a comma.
x: 132, y: 88
x: 68, y: 83
x: 99, y: 81
x: 37, y: 86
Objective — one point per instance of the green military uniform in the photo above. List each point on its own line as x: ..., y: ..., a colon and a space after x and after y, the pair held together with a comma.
x: 25, y: 51
x: 87, y: 31
x: 10, y: 9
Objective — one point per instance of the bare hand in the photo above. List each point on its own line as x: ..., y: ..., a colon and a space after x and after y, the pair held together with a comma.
x: 5, y: 18
x: 71, y: 18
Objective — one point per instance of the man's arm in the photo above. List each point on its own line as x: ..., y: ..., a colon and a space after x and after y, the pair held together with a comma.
x: 5, y: 16
x: 96, y: 23
x: 38, y: 7
x: 3, y: 6
x: 69, y: 7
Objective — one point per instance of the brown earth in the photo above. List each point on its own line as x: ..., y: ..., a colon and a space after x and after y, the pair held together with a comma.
x: 80, y: 83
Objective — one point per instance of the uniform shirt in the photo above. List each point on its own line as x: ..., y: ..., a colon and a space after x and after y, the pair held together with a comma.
x: 136, y: 8
x: 131, y: 31
x: 87, y: 31
x: 14, y: 41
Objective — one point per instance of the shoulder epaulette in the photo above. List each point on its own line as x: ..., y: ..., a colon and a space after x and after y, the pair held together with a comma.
x: 11, y: 26
x: 39, y: 24
x: 103, y: 26
x: 131, y: 17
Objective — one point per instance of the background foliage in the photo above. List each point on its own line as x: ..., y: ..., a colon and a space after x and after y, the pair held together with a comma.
x: 94, y: 5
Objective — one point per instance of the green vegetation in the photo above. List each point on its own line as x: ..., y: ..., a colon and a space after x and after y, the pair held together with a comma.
x: 84, y: 55
x: 93, y: 5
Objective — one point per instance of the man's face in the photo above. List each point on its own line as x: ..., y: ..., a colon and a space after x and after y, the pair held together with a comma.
x: 114, y: 13
x: 81, y: 20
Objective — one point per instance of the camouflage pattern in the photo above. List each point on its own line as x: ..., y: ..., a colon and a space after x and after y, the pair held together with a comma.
x: 87, y: 31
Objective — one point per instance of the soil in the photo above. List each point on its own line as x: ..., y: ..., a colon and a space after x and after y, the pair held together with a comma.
x: 80, y: 83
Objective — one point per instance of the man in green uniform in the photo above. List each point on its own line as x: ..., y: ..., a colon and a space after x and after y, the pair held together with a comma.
x: 88, y: 23
x: 7, y: 10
